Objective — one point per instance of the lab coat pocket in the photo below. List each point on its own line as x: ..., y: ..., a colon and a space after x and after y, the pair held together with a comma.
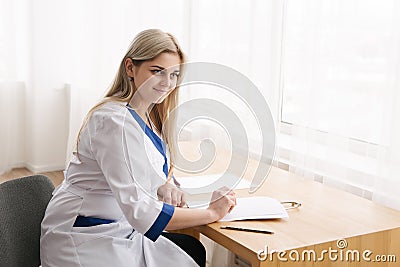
x: 82, y: 235
x: 108, y: 251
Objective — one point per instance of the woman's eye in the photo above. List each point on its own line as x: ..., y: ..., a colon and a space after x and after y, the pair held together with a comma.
x: 158, y: 72
x: 174, y: 75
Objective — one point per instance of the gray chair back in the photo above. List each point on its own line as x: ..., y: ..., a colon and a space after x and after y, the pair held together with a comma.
x: 23, y: 202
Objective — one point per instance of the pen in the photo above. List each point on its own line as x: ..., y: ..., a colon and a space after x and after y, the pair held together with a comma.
x: 246, y: 229
x: 169, y: 176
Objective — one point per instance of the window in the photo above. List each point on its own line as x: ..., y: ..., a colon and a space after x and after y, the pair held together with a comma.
x: 338, y: 57
x: 338, y: 76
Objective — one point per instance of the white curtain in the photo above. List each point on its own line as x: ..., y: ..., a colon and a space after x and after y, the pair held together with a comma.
x: 14, y: 76
x: 12, y: 118
x: 244, y: 35
x: 63, y: 55
x: 340, y: 83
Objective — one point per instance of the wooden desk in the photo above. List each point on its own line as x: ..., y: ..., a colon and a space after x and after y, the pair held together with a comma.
x: 326, y: 216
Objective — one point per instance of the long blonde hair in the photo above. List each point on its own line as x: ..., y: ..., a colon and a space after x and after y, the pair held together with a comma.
x: 147, y: 45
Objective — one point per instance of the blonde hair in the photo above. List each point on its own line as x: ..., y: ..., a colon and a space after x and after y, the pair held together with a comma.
x: 146, y: 46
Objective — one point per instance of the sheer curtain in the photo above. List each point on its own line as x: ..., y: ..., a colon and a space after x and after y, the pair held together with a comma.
x: 12, y: 131
x: 246, y: 36
x: 14, y: 76
x: 62, y: 56
x: 340, y: 82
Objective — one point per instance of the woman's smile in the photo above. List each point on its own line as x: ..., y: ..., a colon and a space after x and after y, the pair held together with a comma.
x: 161, y: 91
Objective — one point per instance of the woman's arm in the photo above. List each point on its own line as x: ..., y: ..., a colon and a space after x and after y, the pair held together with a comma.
x: 222, y: 203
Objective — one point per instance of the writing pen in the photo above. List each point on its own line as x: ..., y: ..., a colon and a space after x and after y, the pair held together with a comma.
x: 246, y: 229
x: 169, y: 176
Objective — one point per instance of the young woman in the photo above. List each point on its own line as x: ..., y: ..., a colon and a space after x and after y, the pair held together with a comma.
x: 116, y: 199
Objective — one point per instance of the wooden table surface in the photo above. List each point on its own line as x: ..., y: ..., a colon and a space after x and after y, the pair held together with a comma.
x: 326, y: 216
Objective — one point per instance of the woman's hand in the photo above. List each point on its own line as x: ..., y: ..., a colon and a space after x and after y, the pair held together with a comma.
x: 170, y: 194
x: 222, y: 202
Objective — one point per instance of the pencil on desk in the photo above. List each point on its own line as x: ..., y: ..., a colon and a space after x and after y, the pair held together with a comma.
x: 247, y: 229
x: 169, y: 176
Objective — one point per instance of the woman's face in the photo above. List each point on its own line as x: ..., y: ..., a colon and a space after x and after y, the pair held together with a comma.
x: 155, y: 79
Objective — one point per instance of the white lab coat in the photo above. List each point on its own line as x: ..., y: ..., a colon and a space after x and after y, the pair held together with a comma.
x: 116, y: 178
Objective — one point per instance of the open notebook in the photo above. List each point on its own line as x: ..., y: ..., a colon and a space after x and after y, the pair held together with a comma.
x: 252, y: 208
x: 247, y: 208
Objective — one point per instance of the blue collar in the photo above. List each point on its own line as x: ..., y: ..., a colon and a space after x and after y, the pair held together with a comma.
x: 155, y: 139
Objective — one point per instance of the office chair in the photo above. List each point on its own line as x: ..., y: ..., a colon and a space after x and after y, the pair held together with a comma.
x: 23, y: 202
